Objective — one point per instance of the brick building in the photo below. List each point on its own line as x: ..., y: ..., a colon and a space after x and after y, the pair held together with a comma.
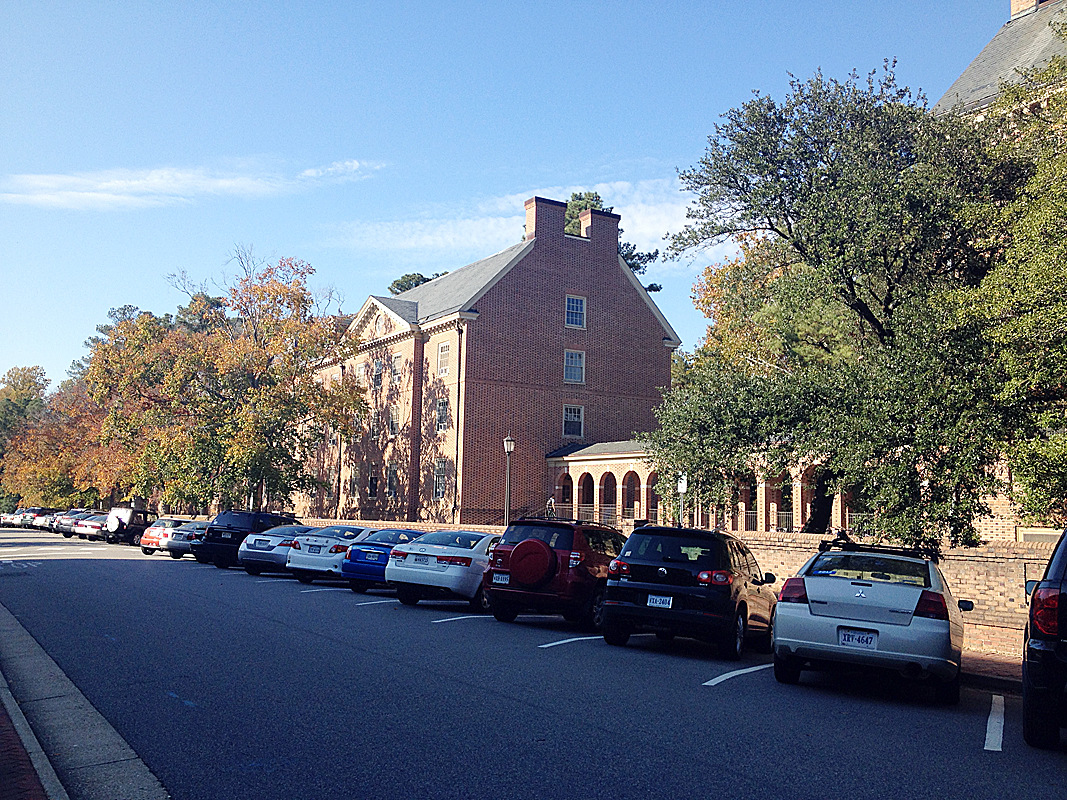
x: 553, y: 341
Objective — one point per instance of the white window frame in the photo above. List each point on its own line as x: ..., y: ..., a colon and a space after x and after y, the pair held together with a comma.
x: 580, y: 366
x: 377, y: 379
x: 397, y: 366
x: 375, y: 422
x: 567, y: 312
x: 394, y: 420
x: 392, y: 481
x: 444, y: 356
x: 441, y: 410
x: 440, y: 479
x: 580, y: 420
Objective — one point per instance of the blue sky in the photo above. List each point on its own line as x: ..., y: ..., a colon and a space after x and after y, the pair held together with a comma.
x: 371, y: 140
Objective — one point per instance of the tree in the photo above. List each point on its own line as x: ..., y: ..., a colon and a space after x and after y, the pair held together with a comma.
x: 410, y: 281
x: 857, y: 214
x: 635, y: 260
x: 22, y: 392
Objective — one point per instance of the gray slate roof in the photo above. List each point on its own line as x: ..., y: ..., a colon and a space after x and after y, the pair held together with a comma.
x: 600, y: 449
x: 453, y: 292
x: 1025, y: 42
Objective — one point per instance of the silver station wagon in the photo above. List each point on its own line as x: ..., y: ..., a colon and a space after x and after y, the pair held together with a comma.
x: 873, y: 606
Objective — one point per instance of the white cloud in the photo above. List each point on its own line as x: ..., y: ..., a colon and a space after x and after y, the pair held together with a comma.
x: 126, y: 188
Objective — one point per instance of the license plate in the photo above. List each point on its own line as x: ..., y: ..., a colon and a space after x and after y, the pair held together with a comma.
x: 501, y: 579
x: 422, y: 559
x: 262, y: 542
x: 847, y: 637
x: 659, y: 601
x: 314, y: 548
x: 226, y: 535
x: 371, y: 556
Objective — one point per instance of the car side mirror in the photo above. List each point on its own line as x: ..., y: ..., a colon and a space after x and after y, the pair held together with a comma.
x: 1030, y: 586
x: 768, y: 577
x: 966, y: 605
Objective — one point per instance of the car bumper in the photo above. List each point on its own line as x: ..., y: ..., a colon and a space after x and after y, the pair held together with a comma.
x: 316, y: 564
x: 922, y: 647
x: 265, y: 560
x: 465, y: 584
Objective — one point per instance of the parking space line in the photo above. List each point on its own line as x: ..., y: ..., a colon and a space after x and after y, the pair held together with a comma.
x: 377, y: 602
x: 994, y: 729
x: 735, y: 673
x: 324, y: 589
x: 568, y: 641
x: 468, y: 616
x: 281, y: 581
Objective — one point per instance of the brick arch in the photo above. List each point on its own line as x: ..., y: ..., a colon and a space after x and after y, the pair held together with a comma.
x: 609, y: 498
x: 586, y: 496
x: 653, y: 507
x: 631, y: 495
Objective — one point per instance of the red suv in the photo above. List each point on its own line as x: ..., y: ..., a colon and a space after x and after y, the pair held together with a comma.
x: 553, y: 566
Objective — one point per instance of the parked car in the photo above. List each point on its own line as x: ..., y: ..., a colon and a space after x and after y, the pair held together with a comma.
x: 43, y: 518
x: 127, y: 525
x: 364, y: 562
x: 224, y: 535
x: 23, y: 518
x: 179, y: 543
x: 156, y: 534
x: 871, y: 606
x: 442, y: 564
x: 1045, y: 653
x: 705, y: 584
x: 64, y: 523
x: 318, y: 553
x: 269, y: 550
x: 552, y: 566
x: 91, y: 527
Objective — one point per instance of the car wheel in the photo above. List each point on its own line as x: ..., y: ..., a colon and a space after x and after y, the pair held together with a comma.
x: 303, y: 577
x: 147, y: 551
x: 68, y: 535
x: 221, y: 562
x: 359, y: 587
x: 174, y: 555
x: 504, y: 612
x: 616, y: 634
x: 786, y: 669
x: 136, y: 540
x: 593, y: 619
x: 665, y: 636
x: 253, y: 570
x: 1041, y: 728
x: 765, y: 642
x: 947, y: 693
x: 408, y: 596
x: 732, y: 644
x: 201, y: 559
x: 480, y: 602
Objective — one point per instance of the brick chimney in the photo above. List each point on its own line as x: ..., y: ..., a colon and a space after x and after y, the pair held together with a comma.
x: 599, y: 224
x: 1020, y: 7
x: 544, y: 217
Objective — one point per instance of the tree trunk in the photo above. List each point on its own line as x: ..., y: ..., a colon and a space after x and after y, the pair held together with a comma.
x: 822, y: 504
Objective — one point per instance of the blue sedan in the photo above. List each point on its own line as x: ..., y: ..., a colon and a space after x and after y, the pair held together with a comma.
x: 364, y: 563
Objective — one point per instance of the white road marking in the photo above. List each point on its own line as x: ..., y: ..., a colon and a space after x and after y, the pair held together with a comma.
x: 468, y: 616
x: 324, y: 589
x: 376, y: 602
x: 994, y: 729
x: 279, y: 581
x: 735, y: 673
x: 568, y: 641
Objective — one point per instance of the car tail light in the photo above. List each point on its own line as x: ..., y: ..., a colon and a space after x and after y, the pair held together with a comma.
x: 718, y: 577
x: 576, y: 559
x: 296, y: 544
x: 339, y: 548
x: 793, y: 591
x: 399, y: 555
x: 1045, y: 610
x: 285, y: 544
x: 457, y: 561
x: 617, y: 567
x: 931, y: 605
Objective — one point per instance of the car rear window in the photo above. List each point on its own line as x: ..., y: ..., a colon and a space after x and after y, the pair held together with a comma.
x: 338, y: 532
x: 392, y: 537
x: 460, y: 539
x: 558, y: 537
x: 690, y: 550
x: 870, y: 567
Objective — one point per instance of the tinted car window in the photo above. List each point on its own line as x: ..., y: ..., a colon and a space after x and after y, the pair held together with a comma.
x: 601, y: 541
x: 288, y: 530
x: 453, y: 539
x: 1058, y: 563
x: 691, y: 550
x: 338, y: 532
x: 869, y: 567
x: 558, y: 537
x: 391, y: 537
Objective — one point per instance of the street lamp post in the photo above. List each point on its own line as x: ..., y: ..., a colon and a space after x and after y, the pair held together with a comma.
x: 509, y: 446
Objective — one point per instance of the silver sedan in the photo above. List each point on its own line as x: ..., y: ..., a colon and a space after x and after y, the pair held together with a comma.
x: 871, y: 606
x: 269, y: 550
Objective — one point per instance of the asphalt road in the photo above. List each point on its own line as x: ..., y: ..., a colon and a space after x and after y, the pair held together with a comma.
x: 232, y: 686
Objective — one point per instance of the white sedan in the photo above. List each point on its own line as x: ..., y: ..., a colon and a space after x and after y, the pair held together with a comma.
x: 441, y: 564
x: 319, y: 553
x: 871, y: 606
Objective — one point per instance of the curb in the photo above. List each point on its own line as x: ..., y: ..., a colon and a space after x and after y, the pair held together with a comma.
x: 45, y: 774
x: 994, y: 683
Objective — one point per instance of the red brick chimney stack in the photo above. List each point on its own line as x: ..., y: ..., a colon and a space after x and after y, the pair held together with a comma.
x: 545, y: 217
x: 1019, y: 7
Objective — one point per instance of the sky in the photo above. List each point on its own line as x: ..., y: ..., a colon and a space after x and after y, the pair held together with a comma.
x: 140, y: 140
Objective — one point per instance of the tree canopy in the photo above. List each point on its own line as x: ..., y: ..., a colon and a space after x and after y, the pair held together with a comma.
x: 410, y: 280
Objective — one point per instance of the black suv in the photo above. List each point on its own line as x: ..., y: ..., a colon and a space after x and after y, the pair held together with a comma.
x: 554, y: 566
x: 224, y: 535
x: 1045, y: 654
x: 689, y: 582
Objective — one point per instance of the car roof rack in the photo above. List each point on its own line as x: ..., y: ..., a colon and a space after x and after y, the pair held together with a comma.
x: 570, y: 520
x: 841, y: 541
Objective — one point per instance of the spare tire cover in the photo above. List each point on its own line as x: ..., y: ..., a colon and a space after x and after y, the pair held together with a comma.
x: 533, y: 563
x: 114, y: 524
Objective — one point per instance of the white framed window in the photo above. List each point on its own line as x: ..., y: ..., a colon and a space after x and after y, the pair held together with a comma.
x: 573, y: 366
x: 575, y: 312
x: 440, y: 478
x: 372, y: 482
x: 394, y: 420
x: 574, y: 421
x: 378, y: 373
x: 361, y: 373
x: 375, y: 422
x: 392, y: 481
x: 397, y: 367
x: 442, y: 414
x: 444, y: 351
